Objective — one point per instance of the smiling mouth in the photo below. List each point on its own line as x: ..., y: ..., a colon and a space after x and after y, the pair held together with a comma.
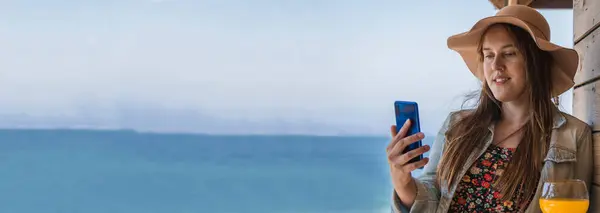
x: 500, y: 80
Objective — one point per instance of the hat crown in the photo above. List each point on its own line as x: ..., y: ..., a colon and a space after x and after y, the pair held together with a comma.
x: 529, y: 15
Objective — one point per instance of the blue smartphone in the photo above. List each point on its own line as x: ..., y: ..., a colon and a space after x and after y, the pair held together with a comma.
x: 409, y: 110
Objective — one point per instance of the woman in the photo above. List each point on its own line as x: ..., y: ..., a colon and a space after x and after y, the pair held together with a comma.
x: 495, y: 157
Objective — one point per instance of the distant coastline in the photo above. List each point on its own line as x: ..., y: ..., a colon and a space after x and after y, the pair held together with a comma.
x: 134, y: 131
x: 148, y: 120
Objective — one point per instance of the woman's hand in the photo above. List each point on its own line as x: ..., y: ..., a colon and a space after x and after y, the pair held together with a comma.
x: 400, y: 169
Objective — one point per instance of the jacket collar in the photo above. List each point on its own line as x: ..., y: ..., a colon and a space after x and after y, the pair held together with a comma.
x: 559, y: 119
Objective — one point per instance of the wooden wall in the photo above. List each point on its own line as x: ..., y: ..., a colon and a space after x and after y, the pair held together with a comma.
x: 586, y: 93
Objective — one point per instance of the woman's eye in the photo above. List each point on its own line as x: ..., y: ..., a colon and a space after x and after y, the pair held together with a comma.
x: 488, y: 56
x: 510, y: 53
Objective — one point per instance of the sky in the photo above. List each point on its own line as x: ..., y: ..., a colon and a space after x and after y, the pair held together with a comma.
x: 333, y: 63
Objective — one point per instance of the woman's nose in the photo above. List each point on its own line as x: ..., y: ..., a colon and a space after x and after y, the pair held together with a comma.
x: 498, y: 64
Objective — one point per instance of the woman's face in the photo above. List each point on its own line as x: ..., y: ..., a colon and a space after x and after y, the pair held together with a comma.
x: 503, y: 65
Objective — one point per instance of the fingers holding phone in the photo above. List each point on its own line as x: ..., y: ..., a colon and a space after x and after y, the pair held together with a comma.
x: 399, y: 159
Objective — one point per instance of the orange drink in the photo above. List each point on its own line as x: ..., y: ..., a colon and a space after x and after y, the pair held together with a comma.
x: 560, y: 205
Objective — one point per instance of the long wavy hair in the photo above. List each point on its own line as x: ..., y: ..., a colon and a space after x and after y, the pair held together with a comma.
x: 470, y: 131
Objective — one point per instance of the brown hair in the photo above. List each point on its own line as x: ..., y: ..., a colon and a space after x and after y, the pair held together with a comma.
x: 464, y: 135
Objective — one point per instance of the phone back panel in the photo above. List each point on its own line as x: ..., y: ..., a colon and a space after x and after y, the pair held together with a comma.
x: 409, y: 110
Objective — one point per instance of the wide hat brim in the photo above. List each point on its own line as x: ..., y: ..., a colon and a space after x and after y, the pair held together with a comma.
x: 566, y: 60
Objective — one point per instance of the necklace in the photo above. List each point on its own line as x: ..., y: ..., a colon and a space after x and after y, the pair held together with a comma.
x: 509, y: 135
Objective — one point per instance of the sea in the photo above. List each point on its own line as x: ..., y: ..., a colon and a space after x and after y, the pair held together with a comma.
x: 91, y: 171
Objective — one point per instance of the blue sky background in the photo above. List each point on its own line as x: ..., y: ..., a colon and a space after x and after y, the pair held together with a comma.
x: 221, y: 66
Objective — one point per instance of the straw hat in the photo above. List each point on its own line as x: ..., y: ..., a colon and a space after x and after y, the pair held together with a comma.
x: 566, y: 61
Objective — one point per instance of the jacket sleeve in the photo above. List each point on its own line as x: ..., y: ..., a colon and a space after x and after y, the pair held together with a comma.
x: 428, y: 194
x: 585, y: 164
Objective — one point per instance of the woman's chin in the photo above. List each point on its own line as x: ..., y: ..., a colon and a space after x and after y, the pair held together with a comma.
x: 501, y: 96
x: 504, y: 98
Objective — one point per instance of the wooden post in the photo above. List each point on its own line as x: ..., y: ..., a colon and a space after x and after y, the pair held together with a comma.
x: 586, y: 93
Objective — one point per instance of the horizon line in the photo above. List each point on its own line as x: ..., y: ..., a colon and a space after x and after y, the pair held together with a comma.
x: 185, y: 133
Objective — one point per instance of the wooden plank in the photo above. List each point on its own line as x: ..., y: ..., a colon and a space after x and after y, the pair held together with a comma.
x: 552, y: 4
x: 501, y: 3
x: 540, y: 4
x: 586, y: 104
x: 586, y: 18
x: 589, y: 53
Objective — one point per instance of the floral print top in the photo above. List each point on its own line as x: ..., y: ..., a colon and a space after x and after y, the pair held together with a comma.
x: 476, y: 193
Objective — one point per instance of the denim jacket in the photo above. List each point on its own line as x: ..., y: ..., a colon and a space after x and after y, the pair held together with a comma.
x: 569, y: 157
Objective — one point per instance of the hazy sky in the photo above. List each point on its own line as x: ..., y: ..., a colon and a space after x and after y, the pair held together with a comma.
x: 329, y: 61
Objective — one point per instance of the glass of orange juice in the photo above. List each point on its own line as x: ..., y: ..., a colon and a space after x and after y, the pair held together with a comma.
x: 564, y: 196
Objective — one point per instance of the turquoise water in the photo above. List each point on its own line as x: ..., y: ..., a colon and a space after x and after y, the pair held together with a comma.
x: 102, y: 171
